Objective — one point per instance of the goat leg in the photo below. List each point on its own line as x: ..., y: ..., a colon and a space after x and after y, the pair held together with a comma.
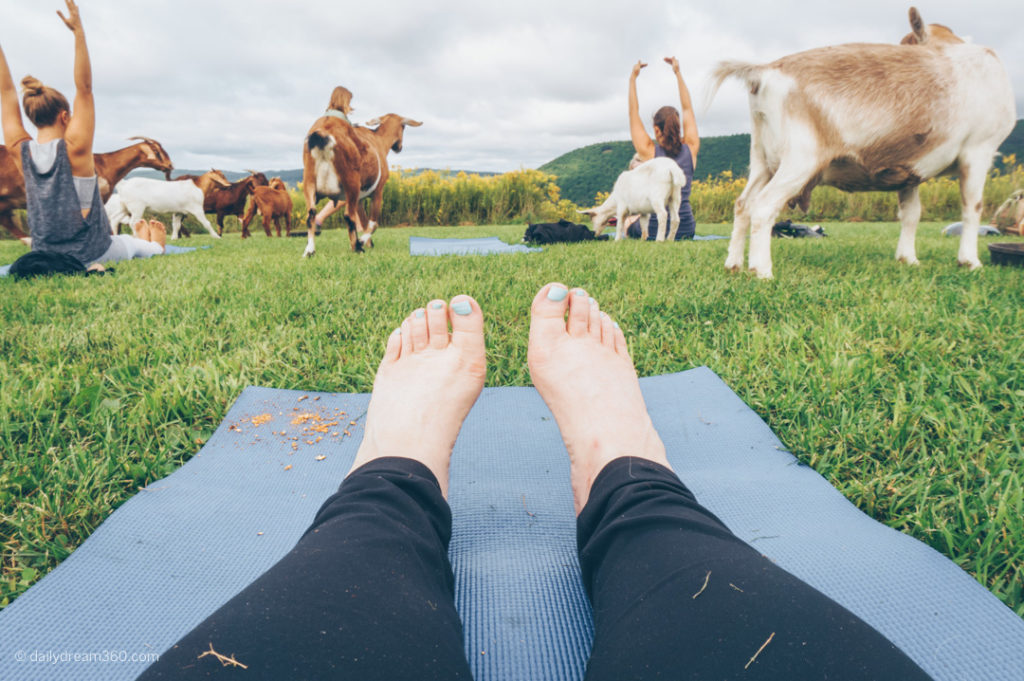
x: 353, y: 238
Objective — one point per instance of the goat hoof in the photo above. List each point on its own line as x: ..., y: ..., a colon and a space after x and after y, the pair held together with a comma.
x: 970, y: 264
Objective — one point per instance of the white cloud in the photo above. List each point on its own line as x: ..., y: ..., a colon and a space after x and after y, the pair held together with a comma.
x: 498, y: 86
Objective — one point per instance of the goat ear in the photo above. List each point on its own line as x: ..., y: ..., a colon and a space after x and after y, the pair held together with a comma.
x: 588, y: 211
x: 372, y: 122
x: 917, y: 26
x: 411, y: 122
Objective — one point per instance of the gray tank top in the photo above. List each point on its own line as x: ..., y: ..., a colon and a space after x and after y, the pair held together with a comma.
x: 54, y: 212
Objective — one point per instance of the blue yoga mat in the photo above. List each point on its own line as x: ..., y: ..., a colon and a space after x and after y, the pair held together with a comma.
x: 168, y: 250
x: 488, y: 245
x: 185, y: 544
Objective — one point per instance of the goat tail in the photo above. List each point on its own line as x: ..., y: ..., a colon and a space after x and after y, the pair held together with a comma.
x: 317, y: 140
x: 745, y: 71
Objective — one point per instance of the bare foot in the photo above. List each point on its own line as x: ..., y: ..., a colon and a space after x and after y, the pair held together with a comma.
x: 141, y: 230
x: 582, y: 369
x: 158, y: 233
x: 425, y: 386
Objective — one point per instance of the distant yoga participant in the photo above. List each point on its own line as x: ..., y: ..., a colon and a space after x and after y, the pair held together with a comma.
x: 678, y: 143
x: 368, y: 591
x: 65, y: 212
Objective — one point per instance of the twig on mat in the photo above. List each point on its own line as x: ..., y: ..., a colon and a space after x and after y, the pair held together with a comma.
x: 763, y: 646
x: 706, y: 578
x: 224, y: 660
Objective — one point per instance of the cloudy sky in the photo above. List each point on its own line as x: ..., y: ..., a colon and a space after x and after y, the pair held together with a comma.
x: 498, y: 85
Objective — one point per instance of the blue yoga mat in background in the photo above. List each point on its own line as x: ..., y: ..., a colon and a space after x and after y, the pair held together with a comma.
x: 488, y: 245
x: 184, y: 545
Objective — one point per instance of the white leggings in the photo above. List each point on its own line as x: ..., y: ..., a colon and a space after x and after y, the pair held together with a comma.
x: 126, y: 247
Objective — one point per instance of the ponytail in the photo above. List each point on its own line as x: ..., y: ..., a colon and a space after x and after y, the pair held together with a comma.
x: 666, y: 120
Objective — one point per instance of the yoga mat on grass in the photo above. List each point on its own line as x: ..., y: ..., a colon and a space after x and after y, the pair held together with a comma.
x: 180, y: 548
x: 488, y: 245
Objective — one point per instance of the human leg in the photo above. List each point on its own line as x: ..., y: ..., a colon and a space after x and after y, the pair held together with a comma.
x: 367, y: 592
x: 126, y: 247
x: 675, y: 593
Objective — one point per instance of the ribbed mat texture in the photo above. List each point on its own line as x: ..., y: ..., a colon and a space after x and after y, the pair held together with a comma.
x: 181, y: 547
x: 487, y: 245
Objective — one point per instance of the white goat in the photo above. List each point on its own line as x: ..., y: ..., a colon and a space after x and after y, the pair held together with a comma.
x: 652, y: 187
x: 870, y: 117
x: 179, y: 197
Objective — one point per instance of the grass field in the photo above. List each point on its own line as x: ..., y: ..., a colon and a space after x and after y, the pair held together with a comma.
x: 903, y: 386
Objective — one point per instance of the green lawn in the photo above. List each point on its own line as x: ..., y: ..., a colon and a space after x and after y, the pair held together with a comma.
x: 901, y: 385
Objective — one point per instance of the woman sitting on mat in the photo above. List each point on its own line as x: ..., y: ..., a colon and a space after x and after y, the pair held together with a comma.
x: 680, y: 146
x: 368, y: 591
x: 65, y: 212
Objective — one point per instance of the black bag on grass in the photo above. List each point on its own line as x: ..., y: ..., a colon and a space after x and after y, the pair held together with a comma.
x: 562, y: 231
x: 43, y: 263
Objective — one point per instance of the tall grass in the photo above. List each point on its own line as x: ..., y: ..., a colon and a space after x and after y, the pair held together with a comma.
x: 712, y: 199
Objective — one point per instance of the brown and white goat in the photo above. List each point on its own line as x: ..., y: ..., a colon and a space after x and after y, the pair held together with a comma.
x: 348, y: 163
x: 137, y: 194
x: 865, y: 117
x: 111, y: 167
x: 274, y: 204
x: 229, y: 200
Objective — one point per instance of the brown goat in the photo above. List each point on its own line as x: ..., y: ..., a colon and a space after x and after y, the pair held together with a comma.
x: 348, y: 163
x: 274, y: 204
x: 111, y: 167
x: 229, y: 200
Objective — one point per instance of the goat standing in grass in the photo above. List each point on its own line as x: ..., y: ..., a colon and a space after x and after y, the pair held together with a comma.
x: 179, y: 197
x: 348, y: 163
x: 654, y: 186
x: 870, y: 118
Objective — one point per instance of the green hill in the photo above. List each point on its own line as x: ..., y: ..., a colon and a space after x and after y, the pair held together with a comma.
x: 585, y: 171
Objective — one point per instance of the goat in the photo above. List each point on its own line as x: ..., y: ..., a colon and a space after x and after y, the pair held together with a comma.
x: 865, y: 117
x: 111, y: 167
x: 274, y: 204
x: 651, y: 187
x: 136, y: 194
x: 348, y: 163
x: 229, y: 200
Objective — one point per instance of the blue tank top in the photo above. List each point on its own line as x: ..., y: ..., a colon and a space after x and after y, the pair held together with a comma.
x: 685, y: 161
x: 54, y: 212
x: 687, y: 225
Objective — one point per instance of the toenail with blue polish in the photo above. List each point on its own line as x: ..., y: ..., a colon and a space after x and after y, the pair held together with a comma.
x: 462, y: 307
x: 437, y: 306
x: 615, y: 324
x: 419, y: 314
x: 580, y: 292
x: 592, y: 301
x: 557, y: 293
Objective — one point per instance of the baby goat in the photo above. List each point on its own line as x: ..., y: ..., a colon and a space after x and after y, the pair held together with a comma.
x: 652, y: 187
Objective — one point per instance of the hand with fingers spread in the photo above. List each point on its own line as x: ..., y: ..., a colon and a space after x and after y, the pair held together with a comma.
x: 636, y: 69
x: 674, y: 63
x: 73, y: 21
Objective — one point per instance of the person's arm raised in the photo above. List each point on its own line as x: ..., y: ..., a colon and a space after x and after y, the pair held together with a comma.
x: 642, y: 142
x: 690, y: 136
x: 14, y: 128
x: 82, y: 127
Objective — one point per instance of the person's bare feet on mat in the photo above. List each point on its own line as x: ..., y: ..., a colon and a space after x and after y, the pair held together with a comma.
x: 425, y: 386
x: 582, y: 368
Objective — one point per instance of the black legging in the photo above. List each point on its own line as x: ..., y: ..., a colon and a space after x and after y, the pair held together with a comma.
x: 367, y: 593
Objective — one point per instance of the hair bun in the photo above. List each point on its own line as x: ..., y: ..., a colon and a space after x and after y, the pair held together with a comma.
x: 32, y: 86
